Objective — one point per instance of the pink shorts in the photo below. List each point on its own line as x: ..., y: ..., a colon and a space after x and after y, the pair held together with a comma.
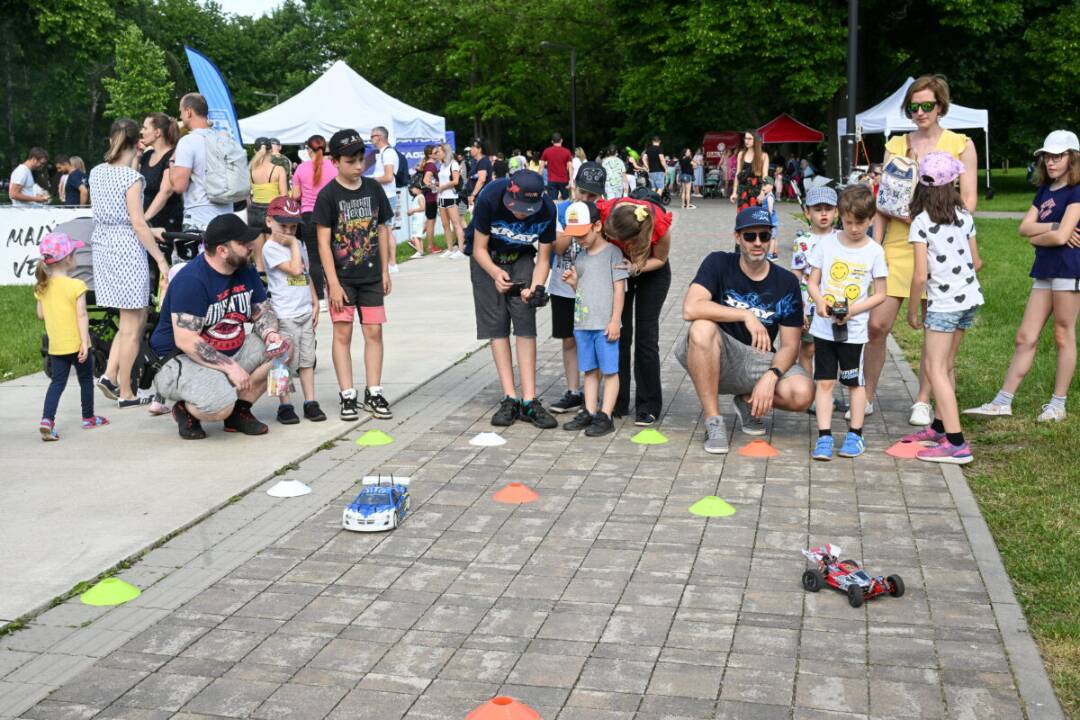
x: 368, y: 315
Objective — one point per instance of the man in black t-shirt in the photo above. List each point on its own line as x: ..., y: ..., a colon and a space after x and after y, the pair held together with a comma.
x: 480, y: 171
x: 656, y: 164
x: 737, y: 305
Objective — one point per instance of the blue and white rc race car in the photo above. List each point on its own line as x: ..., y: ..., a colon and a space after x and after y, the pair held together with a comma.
x: 381, y: 505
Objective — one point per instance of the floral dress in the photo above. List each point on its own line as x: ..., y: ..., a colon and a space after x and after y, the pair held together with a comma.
x: 749, y: 188
x: 121, y: 269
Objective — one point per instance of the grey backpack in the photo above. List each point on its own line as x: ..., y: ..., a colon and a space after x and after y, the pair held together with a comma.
x: 227, y: 180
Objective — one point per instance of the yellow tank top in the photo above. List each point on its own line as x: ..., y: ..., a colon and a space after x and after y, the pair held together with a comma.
x: 264, y: 193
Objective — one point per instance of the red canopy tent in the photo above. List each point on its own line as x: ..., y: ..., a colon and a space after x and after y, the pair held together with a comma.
x: 785, y: 129
x: 712, y: 141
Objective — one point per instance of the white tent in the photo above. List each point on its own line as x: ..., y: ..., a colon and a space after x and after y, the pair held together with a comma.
x: 888, y: 117
x: 339, y: 99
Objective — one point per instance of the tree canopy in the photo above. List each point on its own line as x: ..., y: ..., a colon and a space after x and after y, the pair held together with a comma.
x: 671, y: 67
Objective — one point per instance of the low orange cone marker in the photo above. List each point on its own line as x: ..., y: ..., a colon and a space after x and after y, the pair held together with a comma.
x: 712, y: 506
x: 503, y: 708
x: 516, y: 494
x: 905, y: 450
x: 759, y: 449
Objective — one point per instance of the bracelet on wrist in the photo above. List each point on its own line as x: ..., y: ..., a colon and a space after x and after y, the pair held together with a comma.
x: 776, y: 371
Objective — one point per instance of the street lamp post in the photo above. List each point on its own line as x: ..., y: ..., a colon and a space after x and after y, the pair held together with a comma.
x: 573, y: 87
x: 852, y: 70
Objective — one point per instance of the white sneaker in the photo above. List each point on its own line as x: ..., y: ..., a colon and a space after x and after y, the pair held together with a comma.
x: 921, y: 414
x: 456, y: 254
x: 991, y: 409
x: 1049, y: 412
x: 322, y: 306
x: 393, y: 269
x: 867, y: 412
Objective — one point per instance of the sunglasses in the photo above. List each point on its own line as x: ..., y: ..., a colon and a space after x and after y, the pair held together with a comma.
x: 924, y: 106
x: 762, y: 236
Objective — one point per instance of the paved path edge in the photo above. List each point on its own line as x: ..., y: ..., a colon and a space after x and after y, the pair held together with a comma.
x: 1028, y: 668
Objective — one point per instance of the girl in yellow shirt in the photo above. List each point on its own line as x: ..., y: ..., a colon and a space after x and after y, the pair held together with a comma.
x: 61, y: 303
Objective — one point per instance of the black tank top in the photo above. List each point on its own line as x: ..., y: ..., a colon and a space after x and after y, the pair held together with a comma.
x: 172, y: 215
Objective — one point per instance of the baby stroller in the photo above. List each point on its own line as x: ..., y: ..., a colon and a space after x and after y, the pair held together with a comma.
x: 642, y: 182
x: 713, y: 182
x: 104, y: 322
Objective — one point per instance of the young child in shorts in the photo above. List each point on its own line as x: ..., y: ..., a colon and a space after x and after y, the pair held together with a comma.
x: 598, y: 277
x: 844, y: 270
x: 820, y: 211
x: 61, y: 303
x: 415, y: 218
x: 768, y: 201
x: 293, y: 298
x: 946, y: 258
x: 353, y: 218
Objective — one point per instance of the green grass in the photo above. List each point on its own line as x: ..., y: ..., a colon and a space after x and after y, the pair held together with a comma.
x: 1012, y: 192
x: 405, y: 251
x: 20, y: 352
x: 1025, y: 475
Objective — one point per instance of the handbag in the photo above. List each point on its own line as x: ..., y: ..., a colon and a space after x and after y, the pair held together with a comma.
x: 898, y: 179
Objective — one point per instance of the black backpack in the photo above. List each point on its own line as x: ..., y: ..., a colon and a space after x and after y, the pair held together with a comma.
x: 401, y: 177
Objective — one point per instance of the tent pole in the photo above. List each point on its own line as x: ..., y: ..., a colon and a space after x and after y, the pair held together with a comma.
x: 986, y: 134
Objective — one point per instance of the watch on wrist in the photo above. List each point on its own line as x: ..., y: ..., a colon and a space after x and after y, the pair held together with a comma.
x: 776, y: 371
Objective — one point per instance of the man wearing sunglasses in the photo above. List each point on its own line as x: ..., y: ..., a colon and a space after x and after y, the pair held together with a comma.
x: 737, y: 305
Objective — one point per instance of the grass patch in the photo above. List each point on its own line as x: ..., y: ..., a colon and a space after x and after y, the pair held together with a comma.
x: 1025, y: 476
x: 1012, y: 191
x: 405, y: 251
x: 20, y: 353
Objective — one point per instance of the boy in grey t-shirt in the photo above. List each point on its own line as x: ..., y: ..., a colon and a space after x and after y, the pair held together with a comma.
x: 599, y: 280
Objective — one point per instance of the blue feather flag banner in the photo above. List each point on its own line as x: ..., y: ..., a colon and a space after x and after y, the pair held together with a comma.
x: 212, y: 86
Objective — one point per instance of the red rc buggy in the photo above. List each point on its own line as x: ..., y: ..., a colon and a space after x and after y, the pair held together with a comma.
x: 846, y: 576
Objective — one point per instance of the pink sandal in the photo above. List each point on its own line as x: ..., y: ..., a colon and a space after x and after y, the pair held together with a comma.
x: 92, y: 422
x: 48, y: 431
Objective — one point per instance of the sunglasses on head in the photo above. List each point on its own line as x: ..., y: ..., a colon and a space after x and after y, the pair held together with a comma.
x: 924, y: 106
x: 762, y: 236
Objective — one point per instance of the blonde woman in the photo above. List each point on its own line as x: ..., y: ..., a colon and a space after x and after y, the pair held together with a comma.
x: 268, y: 181
x: 449, y: 172
x: 578, y: 159
x: 121, y: 242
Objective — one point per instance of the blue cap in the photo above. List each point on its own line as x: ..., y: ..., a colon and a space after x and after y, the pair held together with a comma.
x: 755, y: 216
x: 820, y: 195
x: 525, y: 193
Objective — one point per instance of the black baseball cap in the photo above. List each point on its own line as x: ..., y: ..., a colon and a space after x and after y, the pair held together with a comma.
x: 346, y: 142
x: 525, y: 193
x: 591, y: 177
x: 228, y: 227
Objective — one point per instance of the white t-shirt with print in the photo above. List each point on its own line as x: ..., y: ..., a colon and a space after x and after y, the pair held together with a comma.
x: 384, y: 157
x: 191, y: 153
x: 952, y: 285
x: 290, y: 295
x: 446, y: 174
x: 846, y: 273
x: 805, y: 242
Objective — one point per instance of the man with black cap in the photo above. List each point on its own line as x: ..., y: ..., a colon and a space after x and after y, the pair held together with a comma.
x: 737, y: 305
x: 588, y: 187
x: 214, y: 369
x: 510, y: 217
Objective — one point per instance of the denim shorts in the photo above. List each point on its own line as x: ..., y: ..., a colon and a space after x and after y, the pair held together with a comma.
x: 948, y: 322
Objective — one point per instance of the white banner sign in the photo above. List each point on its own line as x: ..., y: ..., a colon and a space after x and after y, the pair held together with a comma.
x: 21, y: 230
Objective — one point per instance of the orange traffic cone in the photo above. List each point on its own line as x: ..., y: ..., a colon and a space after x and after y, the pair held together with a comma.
x: 503, y: 708
x: 904, y: 450
x: 759, y: 449
x: 516, y: 494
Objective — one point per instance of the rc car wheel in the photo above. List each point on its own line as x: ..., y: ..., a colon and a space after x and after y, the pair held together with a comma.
x: 896, y: 585
x: 812, y: 580
x: 855, y: 596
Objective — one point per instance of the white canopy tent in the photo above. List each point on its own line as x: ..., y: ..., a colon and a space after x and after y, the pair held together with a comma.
x: 888, y: 117
x: 339, y: 99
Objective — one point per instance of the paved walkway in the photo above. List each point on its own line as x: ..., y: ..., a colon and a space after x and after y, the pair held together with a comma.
x: 604, y: 600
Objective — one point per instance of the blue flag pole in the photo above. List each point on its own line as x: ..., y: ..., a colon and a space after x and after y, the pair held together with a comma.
x: 218, y: 98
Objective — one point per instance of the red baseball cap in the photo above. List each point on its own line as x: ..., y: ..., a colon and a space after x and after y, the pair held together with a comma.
x: 285, y: 210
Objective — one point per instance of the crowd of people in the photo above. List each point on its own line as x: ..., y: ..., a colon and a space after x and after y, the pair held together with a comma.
x: 556, y: 228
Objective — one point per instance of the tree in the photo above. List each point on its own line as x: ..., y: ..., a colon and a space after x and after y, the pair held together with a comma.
x: 141, y: 83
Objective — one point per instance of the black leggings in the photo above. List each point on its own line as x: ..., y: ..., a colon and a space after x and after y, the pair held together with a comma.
x: 307, y: 234
x: 645, y: 295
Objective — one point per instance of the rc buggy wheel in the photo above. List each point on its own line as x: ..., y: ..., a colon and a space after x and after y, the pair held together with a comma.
x: 812, y: 580
x: 896, y: 585
x: 855, y: 596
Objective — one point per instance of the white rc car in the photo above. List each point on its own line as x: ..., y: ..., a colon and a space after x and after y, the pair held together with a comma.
x: 381, y: 504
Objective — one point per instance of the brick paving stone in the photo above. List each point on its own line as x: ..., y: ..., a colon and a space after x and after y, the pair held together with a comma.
x: 302, y: 702
x: 164, y: 692
x: 230, y: 698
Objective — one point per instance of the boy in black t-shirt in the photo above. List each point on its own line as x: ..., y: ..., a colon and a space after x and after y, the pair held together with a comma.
x: 353, y: 217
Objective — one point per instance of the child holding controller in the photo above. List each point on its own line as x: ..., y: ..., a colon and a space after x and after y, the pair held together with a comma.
x: 851, y: 264
x: 598, y: 278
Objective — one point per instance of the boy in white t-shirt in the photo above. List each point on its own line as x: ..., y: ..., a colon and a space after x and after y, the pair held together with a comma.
x: 845, y: 268
x: 293, y: 298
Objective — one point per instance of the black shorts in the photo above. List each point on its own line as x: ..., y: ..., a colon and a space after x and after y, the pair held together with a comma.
x: 362, y: 293
x: 447, y: 202
x: 562, y: 317
x: 431, y: 209
x: 834, y: 360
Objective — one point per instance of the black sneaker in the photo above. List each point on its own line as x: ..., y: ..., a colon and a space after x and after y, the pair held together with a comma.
x: 242, y: 421
x: 569, y: 401
x: 189, y: 426
x: 509, y: 411
x: 535, y: 413
x: 313, y: 412
x: 137, y: 401
x: 601, y: 425
x: 644, y: 419
x: 286, y: 415
x: 580, y: 421
x: 348, y: 404
x: 377, y: 405
x: 108, y: 388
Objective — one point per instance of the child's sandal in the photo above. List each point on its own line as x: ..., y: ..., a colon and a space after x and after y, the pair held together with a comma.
x: 92, y: 422
x: 48, y: 431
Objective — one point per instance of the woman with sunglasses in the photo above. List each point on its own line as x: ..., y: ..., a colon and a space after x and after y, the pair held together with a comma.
x: 310, y: 177
x: 926, y: 102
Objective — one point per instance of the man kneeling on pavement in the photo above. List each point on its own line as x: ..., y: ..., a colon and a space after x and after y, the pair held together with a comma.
x: 212, y: 367
x: 737, y: 304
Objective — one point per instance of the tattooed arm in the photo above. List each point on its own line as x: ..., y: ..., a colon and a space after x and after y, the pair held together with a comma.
x: 186, y: 335
x: 264, y: 320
